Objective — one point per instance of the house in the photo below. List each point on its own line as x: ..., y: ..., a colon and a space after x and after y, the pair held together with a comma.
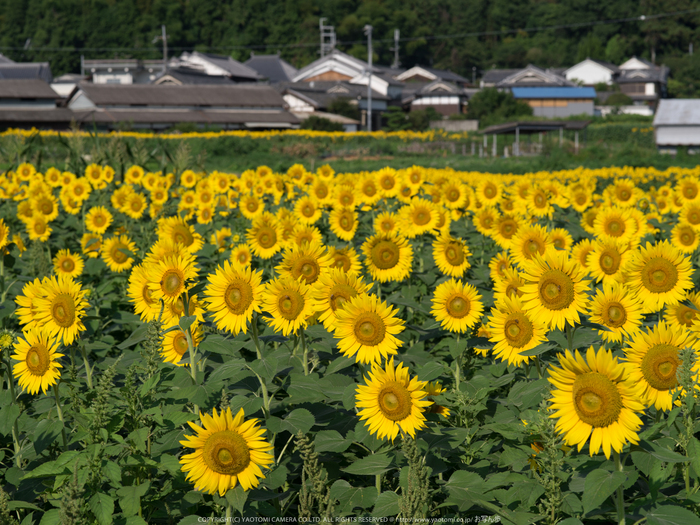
x: 158, y: 107
x: 181, y: 75
x: 677, y: 123
x: 31, y: 103
x: 65, y: 84
x: 336, y: 66
x: 446, y: 98
x: 642, y: 81
x: 530, y: 76
x: 272, y: 67
x: 121, y: 71
x: 557, y: 102
x: 216, y: 65
x: 590, y: 72
x: 309, y: 97
x: 10, y: 70
x: 427, y: 74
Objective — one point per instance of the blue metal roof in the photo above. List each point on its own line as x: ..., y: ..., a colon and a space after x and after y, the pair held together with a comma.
x: 553, y: 92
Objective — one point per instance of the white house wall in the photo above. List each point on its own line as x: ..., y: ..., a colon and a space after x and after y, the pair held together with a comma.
x: 589, y: 73
x: 80, y: 101
x: 435, y: 101
x: 296, y: 104
x: 678, y: 135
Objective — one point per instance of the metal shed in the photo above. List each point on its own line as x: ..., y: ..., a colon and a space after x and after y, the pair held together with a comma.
x: 528, y: 128
x: 677, y: 123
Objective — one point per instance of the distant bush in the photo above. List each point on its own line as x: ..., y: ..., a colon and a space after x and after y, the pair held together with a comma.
x: 321, y: 124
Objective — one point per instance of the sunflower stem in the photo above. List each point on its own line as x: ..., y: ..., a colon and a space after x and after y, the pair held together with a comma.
x: 569, y: 338
x: 458, y: 366
x: 305, y: 358
x: 229, y: 511
x: 255, y: 336
x: 378, y: 483
x: 539, y: 368
x: 15, y: 428
x: 88, y: 370
x: 619, y: 500
x: 60, y: 416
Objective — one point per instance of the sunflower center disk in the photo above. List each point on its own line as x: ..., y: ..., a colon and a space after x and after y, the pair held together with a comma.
x: 37, y: 360
x: 596, y: 399
x: 267, y: 237
x: 238, y: 296
x: 421, y: 217
x: 395, y: 401
x: 226, y: 452
x: 306, y: 268
x: 118, y: 254
x: 556, y: 290
x: 659, y: 275
x: 369, y: 329
x: 659, y: 366
x: 341, y: 261
x: 339, y: 294
x: 615, y: 316
x: 518, y: 330
x: 533, y: 246
x: 63, y: 310
x: 615, y: 228
x: 686, y: 315
x: 182, y: 235
x: 610, y: 262
x: 687, y: 237
x: 458, y: 306
x: 290, y: 304
x: 172, y: 283
x: 67, y: 265
x: 180, y: 344
x: 346, y: 222
x: 385, y: 255
x: 454, y: 254
x: 146, y: 294
x: 508, y: 228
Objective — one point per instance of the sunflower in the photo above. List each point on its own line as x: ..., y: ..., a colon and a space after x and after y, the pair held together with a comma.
x: 38, y: 364
x: 46, y: 206
x: 617, y: 310
x: 681, y: 316
x: 80, y: 189
x: 98, y: 219
x: 368, y: 190
x: 141, y: 296
x: 386, y: 222
x: 233, y: 294
x: 505, y: 228
x: 307, y: 210
x: 38, y: 229
x: 555, y: 290
x: 489, y: 191
x: 168, y: 278
x: 251, y: 207
x: 135, y: 205
x: 511, y: 285
x: 241, y: 256
x: 580, y: 252
x: 498, y: 265
x: 690, y: 213
x: 688, y: 188
x: 61, y: 307
x: 654, y: 361
x: 67, y: 263
x: 420, y: 216
x: 485, y: 220
x: 561, y: 239
x: 685, y: 237
x: 593, y: 397
x: 344, y: 197
x: 529, y: 241
x: 26, y: 304
x: 456, y: 306
x: 178, y: 231
x: 175, y: 345
x: 606, y: 261
x: 227, y: 451
x: 264, y: 237
x: 116, y: 253
x: 173, y: 312
x: 306, y: 262
x: 25, y: 171
x: 343, y: 223
x: 388, y: 257
x: 332, y: 290
x: 538, y: 203
x: 290, y: 303
x: 367, y: 329
x: 4, y: 235
x: 658, y: 275
x: 205, y: 213
x: 391, y: 401
x: 388, y: 182
x: 514, y: 331
x: 614, y: 224
x: 345, y: 259
x: 451, y: 255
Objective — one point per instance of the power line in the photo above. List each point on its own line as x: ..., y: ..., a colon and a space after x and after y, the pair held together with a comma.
x: 535, y: 29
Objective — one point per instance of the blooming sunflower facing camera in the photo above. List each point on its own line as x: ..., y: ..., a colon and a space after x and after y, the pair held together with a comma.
x: 233, y: 294
x: 594, y: 398
x: 654, y: 362
x: 67, y: 263
x: 333, y: 290
x: 658, y: 275
x: 116, y: 253
x: 228, y: 451
x: 456, y: 306
x: 391, y: 401
x: 60, y: 308
x: 617, y: 310
x: 555, y: 290
x: 388, y: 257
x: 367, y: 329
x: 514, y: 331
x: 37, y: 356
x: 290, y: 304
x: 451, y: 255
x: 168, y: 278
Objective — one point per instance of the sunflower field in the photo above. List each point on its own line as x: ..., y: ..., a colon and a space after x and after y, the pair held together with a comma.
x: 413, y: 345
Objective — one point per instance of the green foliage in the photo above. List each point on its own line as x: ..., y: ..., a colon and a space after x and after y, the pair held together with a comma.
x: 415, y: 493
x: 618, y: 99
x: 321, y: 124
x: 396, y: 119
x: 491, y: 105
x: 343, y: 106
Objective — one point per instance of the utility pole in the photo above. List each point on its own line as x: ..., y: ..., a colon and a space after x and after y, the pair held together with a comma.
x: 395, y: 49
x: 327, y: 37
x: 165, y: 48
x: 474, y: 76
x: 368, y: 32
